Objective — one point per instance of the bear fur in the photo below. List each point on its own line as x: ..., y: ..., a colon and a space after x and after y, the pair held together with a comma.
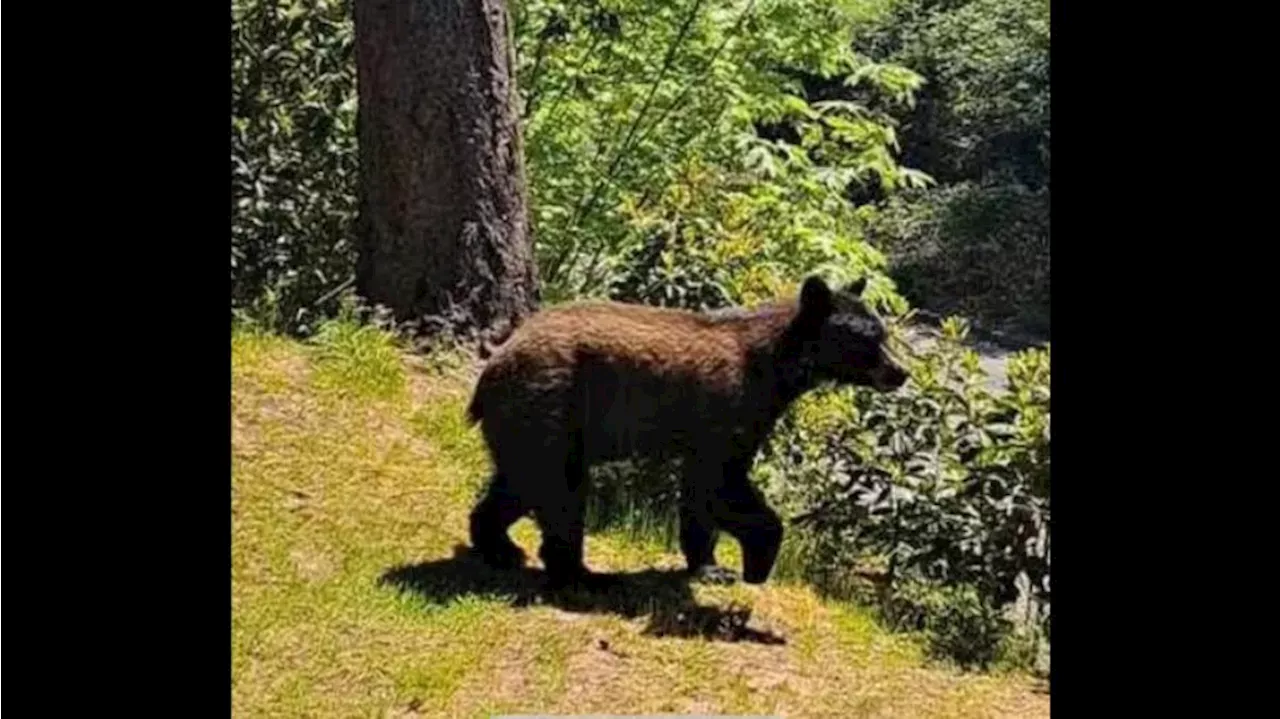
x: 592, y: 382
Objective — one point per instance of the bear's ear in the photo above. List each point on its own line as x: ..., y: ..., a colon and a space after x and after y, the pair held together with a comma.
x: 856, y: 287
x: 815, y: 298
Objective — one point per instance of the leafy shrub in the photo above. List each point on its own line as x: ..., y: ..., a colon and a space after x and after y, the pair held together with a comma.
x: 976, y: 251
x: 293, y: 159
x: 959, y: 624
x: 978, y: 245
x: 983, y: 113
x: 717, y: 238
x: 648, y: 179
x: 942, y: 484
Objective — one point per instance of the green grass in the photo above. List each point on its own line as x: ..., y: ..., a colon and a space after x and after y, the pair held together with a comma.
x: 352, y: 476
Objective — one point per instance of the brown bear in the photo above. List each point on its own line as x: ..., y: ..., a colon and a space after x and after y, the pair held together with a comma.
x: 592, y: 382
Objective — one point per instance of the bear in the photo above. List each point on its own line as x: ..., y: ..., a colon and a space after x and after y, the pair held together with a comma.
x: 595, y: 381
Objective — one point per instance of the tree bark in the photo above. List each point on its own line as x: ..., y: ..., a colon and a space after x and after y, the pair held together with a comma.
x: 444, y: 228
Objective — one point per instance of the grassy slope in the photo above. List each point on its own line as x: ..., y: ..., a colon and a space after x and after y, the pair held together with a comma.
x: 352, y: 478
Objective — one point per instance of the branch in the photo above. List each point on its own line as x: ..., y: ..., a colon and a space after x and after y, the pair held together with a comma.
x: 586, y: 207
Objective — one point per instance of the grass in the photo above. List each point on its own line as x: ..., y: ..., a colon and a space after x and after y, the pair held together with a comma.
x: 352, y: 476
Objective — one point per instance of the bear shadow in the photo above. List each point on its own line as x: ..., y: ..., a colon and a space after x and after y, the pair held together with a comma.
x: 662, y: 595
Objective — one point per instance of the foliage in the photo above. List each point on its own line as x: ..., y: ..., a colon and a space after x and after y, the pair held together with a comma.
x: 975, y: 251
x: 649, y: 181
x: 942, y: 484
x: 979, y: 244
x: 984, y: 113
x: 637, y: 497
x: 640, y: 121
x: 958, y: 622
x: 715, y: 239
x: 293, y: 158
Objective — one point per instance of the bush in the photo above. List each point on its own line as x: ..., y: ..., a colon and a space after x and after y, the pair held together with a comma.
x: 942, y: 484
x: 983, y: 112
x: 974, y: 251
x: 978, y: 245
x: 646, y: 173
x: 293, y: 159
x: 717, y: 237
x: 958, y: 623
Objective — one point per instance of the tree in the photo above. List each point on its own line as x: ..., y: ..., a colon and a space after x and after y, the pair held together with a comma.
x: 443, y: 225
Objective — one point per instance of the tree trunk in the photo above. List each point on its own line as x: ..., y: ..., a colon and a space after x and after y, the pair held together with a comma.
x: 443, y: 226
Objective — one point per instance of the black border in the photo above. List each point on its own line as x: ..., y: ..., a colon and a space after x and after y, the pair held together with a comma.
x: 119, y: 334
x: 1137, y: 354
